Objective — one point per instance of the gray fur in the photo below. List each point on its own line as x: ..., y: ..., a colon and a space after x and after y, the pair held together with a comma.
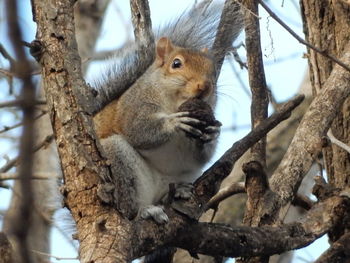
x: 154, y: 212
x: 195, y: 29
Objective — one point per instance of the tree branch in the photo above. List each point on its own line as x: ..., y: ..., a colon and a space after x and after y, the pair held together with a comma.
x: 22, y: 68
x: 338, y: 252
x: 144, y: 38
x: 232, y: 189
x: 337, y: 142
x: 256, y: 179
x: 208, y: 184
x: 240, y: 241
x: 302, y: 41
x: 15, y: 161
x: 256, y: 74
x: 307, y: 142
x: 19, y: 103
x: 89, y: 16
x: 6, y: 250
x: 82, y: 159
x: 226, y: 33
x: 7, y: 128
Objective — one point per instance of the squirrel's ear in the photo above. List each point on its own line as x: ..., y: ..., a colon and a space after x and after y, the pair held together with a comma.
x: 163, y: 49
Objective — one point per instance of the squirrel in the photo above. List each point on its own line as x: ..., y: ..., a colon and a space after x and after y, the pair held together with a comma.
x: 146, y: 121
x: 146, y: 117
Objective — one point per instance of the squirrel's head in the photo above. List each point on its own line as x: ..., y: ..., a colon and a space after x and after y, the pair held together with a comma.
x: 191, y: 71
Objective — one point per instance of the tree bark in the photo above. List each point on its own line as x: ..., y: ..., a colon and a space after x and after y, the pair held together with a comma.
x: 326, y: 25
x: 82, y: 160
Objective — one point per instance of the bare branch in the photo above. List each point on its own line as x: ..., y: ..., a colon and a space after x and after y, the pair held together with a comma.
x: 256, y: 186
x: 257, y: 81
x: 22, y: 68
x: 307, y: 142
x: 241, y: 241
x: 6, y: 55
x: 256, y: 179
x: 226, y: 192
x: 141, y: 20
x: 208, y: 184
x: 303, y: 201
x: 18, y: 103
x: 338, y: 252
x: 6, y: 250
x: 301, y: 40
x: 36, y: 176
x: 15, y: 161
x: 337, y: 142
x: 53, y: 256
x: 83, y: 162
x: 88, y: 18
x: 226, y: 33
x: 8, y: 128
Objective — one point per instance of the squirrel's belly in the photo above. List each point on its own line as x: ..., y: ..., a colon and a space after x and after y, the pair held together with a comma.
x: 175, y: 159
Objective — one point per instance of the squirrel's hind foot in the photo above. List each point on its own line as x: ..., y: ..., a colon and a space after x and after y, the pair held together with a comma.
x: 154, y: 212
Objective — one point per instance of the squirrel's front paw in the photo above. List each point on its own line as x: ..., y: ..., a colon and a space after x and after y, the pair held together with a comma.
x: 154, y: 212
x: 182, y: 121
x: 206, y: 123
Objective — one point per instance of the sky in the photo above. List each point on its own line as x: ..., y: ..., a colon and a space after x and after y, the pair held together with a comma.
x: 285, y: 69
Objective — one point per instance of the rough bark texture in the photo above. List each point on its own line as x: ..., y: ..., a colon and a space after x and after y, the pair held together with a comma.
x: 5, y: 249
x: 326, y: 25
x: 47, y: 200
x: 81, y: 159
x: 257, y: 81
x: 338, y: 252
x: 256, y: 183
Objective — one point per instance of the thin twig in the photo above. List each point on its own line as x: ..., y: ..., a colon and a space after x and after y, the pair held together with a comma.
x: 301, y: 40
x: 6, y: 55
x: 239, y: 79
x: 7, y: 73
x: 337, y: 142
x: 36, y: 176
x: 224, y: 193
x: 15, y: 161
x: 21, y: 123
x: 52, y: 256
x: 19, y: 103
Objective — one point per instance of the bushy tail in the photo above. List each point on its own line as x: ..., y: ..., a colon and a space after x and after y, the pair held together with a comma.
x: 194, y: 29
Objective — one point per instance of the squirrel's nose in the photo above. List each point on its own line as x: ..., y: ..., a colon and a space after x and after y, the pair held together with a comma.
x: 204, y: 88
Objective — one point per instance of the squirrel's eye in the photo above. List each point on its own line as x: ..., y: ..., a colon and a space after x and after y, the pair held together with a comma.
x: 176, y: 63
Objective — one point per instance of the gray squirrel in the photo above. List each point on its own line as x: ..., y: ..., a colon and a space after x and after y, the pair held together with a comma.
x: 138, y: 118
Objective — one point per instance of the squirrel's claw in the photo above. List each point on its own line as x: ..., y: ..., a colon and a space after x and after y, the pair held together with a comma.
x: 189, y: 129
x: 213, y: 128
x: 211, y: 133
